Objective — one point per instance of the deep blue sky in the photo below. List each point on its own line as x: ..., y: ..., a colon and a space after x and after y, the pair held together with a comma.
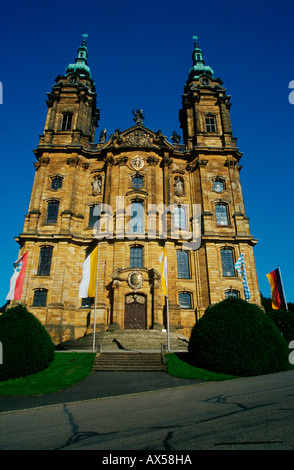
x: 140, y: 53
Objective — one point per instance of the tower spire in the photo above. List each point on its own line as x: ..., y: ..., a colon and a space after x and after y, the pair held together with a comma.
x: 80, y: 66
x: 199, y: 66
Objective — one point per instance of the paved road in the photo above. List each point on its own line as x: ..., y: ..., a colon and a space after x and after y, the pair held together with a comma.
x: 247, y: 413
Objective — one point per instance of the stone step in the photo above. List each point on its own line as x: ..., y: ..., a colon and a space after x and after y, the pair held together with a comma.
x: 128, y: 340
x: 128, y: 361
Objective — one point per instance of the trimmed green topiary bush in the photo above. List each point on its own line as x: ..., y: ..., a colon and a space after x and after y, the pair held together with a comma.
x: 238, y: 338
x: 27, y: 346
x: 284, y: 320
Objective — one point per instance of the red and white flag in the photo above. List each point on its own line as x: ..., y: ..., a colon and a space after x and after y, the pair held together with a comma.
x: 16, y: 281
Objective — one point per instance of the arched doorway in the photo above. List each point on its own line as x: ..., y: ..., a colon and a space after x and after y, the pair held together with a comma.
x: 135, y: 312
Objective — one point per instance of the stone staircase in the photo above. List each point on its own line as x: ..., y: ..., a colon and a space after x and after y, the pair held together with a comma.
x: 128, y: 340
x: 129, y: 361
x: 128, y: 350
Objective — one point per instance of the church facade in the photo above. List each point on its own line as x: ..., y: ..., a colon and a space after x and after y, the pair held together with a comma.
x: 133, y: 193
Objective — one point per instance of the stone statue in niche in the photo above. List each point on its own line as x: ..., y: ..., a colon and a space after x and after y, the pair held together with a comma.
x: 179, y: 186
x: 96, y: 186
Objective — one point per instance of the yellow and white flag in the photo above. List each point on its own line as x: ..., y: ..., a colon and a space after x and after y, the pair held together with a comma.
x: 163, y: 260
x: 88, y: 283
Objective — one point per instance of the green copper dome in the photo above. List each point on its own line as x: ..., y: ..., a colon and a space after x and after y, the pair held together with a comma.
x: 80, y: 66
x: 199, y: 66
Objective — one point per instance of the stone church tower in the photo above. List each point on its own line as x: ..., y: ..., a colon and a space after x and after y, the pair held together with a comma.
x: 142, y: 189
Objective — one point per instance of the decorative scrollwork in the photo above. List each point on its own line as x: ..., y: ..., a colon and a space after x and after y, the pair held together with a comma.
x: 131, y: 298
x: 135, y: 280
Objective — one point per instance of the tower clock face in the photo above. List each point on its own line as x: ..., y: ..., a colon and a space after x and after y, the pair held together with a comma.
x: 137, y: 163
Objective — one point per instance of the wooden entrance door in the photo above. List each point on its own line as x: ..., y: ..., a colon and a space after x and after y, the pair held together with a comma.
x: 135, y: 312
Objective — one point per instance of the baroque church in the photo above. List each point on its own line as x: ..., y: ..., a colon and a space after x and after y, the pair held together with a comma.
x: 134, y: 193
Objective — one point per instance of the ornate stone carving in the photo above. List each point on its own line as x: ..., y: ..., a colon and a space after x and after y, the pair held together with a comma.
x: 231, y: 163
x: 138, y: 138
x: 73, y: 161
x: 135, y: 280
x: 179, y: 186
x: 116, y: 137
x: 175, y: 137
x: 131, y: 298
x: 96, y: 185
x: 152, y: 161
x: 159, y: 139
x: 166, y: 161
x: 43, y: 161
x: 102, y: 138
x: 121, y: 160
x: 137, y: 163
x: 109, y: 161
x: 138, y: 116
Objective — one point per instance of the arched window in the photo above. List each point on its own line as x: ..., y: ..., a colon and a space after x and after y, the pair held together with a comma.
x: 228, y: 265
x: 221, y: 213
x: 231, y: 293
x: 136, y: 257
x: 52, y: 212
x: 45, y: 261
x: 183, y: 264
x: 40, y: 298
x: 185, y: 300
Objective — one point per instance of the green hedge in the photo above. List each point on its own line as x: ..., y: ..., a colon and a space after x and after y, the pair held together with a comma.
x: 238, y: 338
x: 284, y: 320
x: 27, y: 346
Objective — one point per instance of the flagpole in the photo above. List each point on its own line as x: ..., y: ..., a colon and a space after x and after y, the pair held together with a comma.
x: 167, y: 320
x: 94, y: 332
x: 283, y: 287
x: 167, y: 310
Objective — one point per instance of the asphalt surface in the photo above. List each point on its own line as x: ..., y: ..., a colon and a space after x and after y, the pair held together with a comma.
x: 252, y: 413
x: 98, y: 385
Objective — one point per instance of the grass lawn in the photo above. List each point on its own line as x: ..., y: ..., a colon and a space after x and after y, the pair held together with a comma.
x: 178, y: 366
x: 65, y: 370
x: 68, y: 368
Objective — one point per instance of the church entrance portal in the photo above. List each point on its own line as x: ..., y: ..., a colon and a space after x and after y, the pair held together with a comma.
x: 135, y: 312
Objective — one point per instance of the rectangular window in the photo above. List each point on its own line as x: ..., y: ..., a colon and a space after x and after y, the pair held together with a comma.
x: 45, y: 261
x: 221, y: 214
x: 185, y: 300
x: 136, y: 257
x: 137, y: 217
x: 56, y: 183
x: 87, y: 302
x: 228, y: 265
x: 183, y: 264
x: 66, y: 122
x: 210, y: 124
x: 52, y: 212
x: 137, y: 182
x: 218, y: 186
x: 180, y: 217
x: 40, y: 298
x: 93, y: 217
